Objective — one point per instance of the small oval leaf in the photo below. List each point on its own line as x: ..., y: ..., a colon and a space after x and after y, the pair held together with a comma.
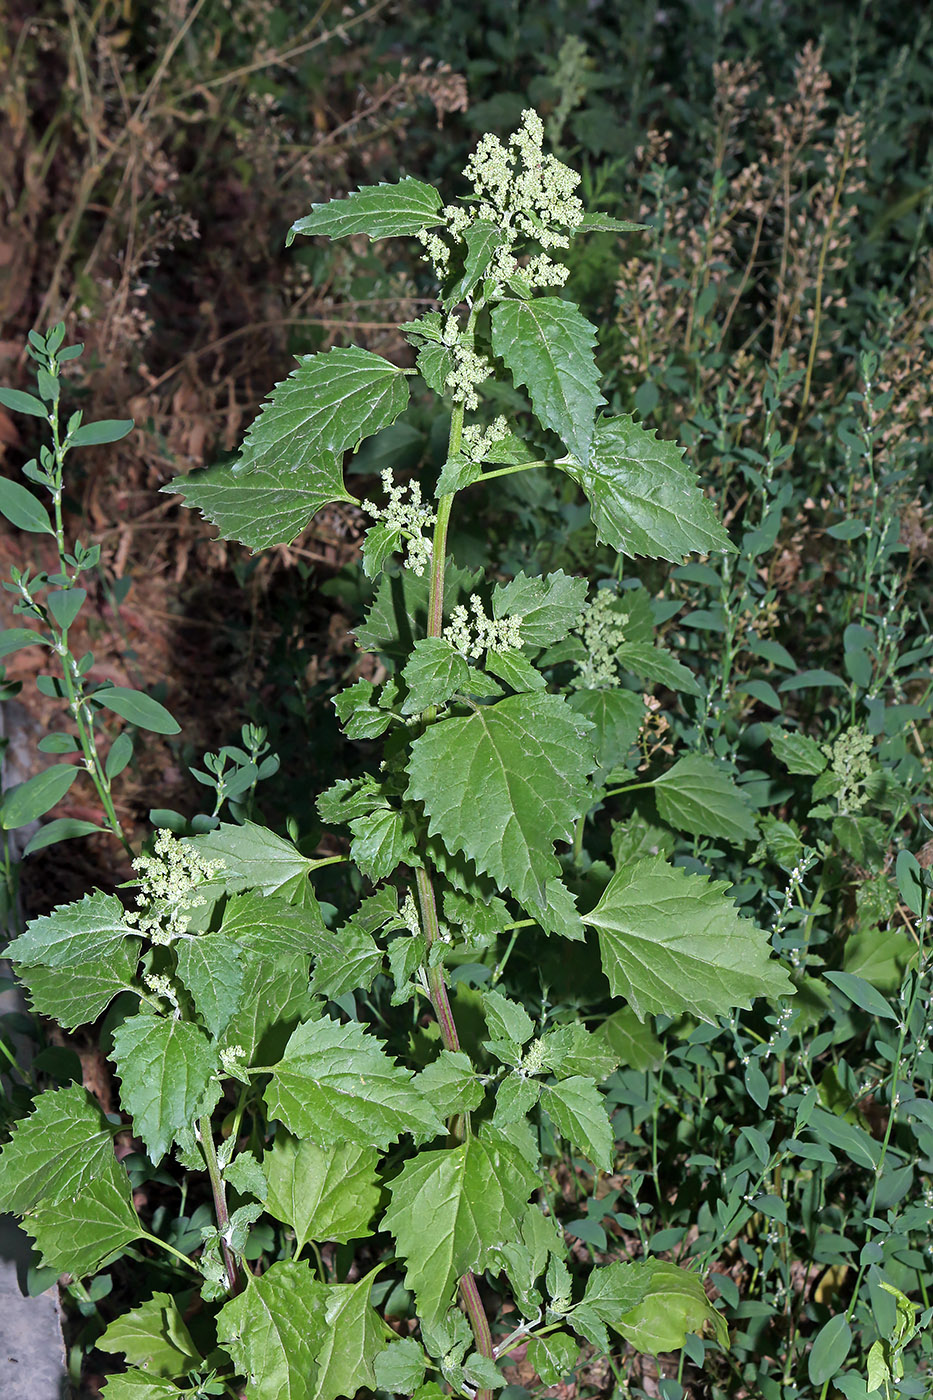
x: 138, y: 708
x: 61, y: 829
x: 32, y: 799
x: 65, y: 604
x: 14, y: 638
x: 107, y: 430
x: 23, y: 510
x: 830, y: 1349
x: 23, y: 403
x: 121, y: 751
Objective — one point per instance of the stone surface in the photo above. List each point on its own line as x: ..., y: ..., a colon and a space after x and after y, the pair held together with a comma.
x: 32, y: 1353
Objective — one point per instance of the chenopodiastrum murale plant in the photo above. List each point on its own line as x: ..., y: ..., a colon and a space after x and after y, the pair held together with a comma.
x: 323, y: 1077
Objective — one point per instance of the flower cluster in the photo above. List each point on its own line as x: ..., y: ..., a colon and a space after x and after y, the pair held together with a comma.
x: 527, y: 195
x: 473, y: 636
x: 602, y: 632
x: 409, y: 915
x: 850, y: 760
x: 412, y: 517
x: 168, y: 889
x: 476, y: 442
x: 468, y: 372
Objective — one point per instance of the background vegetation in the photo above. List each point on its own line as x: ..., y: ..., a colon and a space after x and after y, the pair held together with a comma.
x: 777, y: 319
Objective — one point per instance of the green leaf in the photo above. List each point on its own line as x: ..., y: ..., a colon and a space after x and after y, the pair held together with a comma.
x: 75, y: 1233
x: 482, y: 238
x: 611, y: 1292
x: 74, y: 934
x: 138, y: 708
x: 634, y: 1043
x: 516, y: 1096
x: 121, y: 751
x: 154, y: 1337
x: 602, y: 223
x: 265, y: 925
x: 273, y: 1331
x: 353, y: 1336
x: 105, y: 430
x: 21, y: 402
x: 23, y: 510
x: 65, y: 604
x: 656, y: 664
x: 61, y: 829
x: 873, y: 955
x: 382, y: 841
x: 335, y: 1083
x: 515, y: 670
x: 571, y: 1049
x: 269, y: 506
x: 32, y: 799
x: 137, y: 1385
x: 400, y: 1368
x: 674, y: 1304
x: 579, y: 1114
x: 351, y: 963
x: 909, y: 876
x: 326, y: 1194
x: 643, y: 499
x: 616, y: 716
x: 435, y: 363
x: 699, y: 796
x: 560, y: 915
x: 76, y: 995
x: 451, y: 1209
x: 670, y: 942
x: 325, y: 406
x: 254, y: 858
x: 433, y: 674
x: 56, y: 1151
x: 506, y: 1020
x: 211, y: 967
x: 482, y: 1371
x: 451, y: 1084
x: 529, y: 757
x: 798, y: 752
x: 548, y: 607
x: 547, y: 345
x: 273, y: 1000
x: 166, y: 1068
x: 380, y: 211
x: 554, y: 1358
x: 15, y: 638
x: 832, y: 1129
x: 380, y: 543
x: 831, y: 1346
x: 862, y: 994
x: 361, y: 719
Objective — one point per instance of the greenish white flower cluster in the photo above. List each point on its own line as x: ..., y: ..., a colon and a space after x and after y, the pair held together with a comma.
x: 527, y: 195
x: 161, y: 986
x: 469, y: 371
x: 411, y: 516
x: 168, y: 889
x: 471, y: 636
x: 850, y: 760
x: 602, y: 631
x: 409, y: 915
x: 476, y: 442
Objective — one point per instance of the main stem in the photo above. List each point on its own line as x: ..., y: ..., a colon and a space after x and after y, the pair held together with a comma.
x: 220, y: 1202
x: 459, y: 1124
